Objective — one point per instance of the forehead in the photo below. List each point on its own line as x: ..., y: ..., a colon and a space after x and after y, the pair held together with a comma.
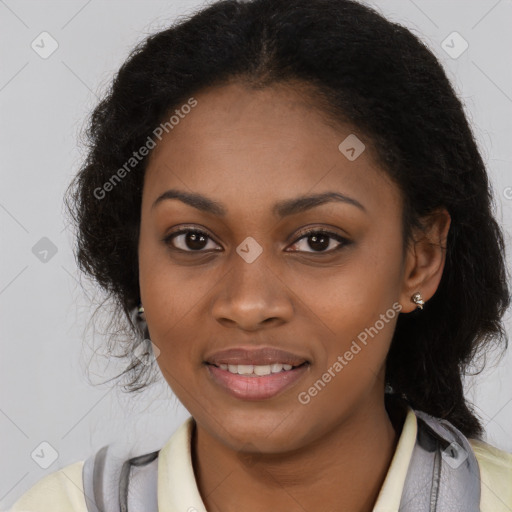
x: 242, y: 142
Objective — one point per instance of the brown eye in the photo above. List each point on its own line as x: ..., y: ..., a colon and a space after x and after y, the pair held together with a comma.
x: 189, y: 240
x: 320, y: 240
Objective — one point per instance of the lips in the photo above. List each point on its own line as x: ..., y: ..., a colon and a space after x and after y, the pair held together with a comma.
x: 246, y: 387
x: 250, y: 373
x: 255, y: 356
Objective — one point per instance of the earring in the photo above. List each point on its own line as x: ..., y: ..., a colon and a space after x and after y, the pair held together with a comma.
x: 140, y: 311
x: 417, y: 299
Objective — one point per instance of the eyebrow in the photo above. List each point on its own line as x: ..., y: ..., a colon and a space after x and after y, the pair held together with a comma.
x: 281, y: 209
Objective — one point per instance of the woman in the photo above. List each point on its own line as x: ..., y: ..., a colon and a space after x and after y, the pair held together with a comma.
x: 287, y: 202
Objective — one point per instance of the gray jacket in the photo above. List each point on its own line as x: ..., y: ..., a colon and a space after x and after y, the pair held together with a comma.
x: 443, y: 475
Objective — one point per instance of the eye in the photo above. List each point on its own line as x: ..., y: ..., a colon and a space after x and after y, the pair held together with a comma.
x: 320, y: 239
x: 195, y: 240
x: 189, y: 240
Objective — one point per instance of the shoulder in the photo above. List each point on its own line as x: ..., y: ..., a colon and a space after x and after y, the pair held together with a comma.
x: 60, y: 491
x: 496, y: 476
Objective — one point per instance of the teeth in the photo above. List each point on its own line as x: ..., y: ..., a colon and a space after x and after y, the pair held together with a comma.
x: 245, y: 369
x: 250, y: 369
x: 262, y: 370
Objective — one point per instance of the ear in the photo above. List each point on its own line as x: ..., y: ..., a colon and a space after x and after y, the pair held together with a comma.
x: 425, y: 259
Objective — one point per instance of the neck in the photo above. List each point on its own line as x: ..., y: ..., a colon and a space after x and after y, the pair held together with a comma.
x: 345, y: 468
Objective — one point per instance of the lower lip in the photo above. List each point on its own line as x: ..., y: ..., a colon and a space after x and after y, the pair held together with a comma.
x: 256, y: 388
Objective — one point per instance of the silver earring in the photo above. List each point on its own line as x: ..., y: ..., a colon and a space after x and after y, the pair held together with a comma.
x: 418, y: 300
x: 140, y: 313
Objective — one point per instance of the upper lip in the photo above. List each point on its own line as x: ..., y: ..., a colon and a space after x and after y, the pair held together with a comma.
x: 255, y: 356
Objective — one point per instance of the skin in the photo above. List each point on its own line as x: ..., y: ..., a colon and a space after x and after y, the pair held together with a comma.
x: 248, y: 150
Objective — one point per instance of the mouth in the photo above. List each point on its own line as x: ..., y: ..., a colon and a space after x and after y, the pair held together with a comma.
x: 257, y: 357
x: 255, y: 373
x: 252, y: 370
x: 249, y: 382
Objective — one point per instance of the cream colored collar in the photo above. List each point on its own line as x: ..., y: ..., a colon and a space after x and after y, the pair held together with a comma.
x: 178, y: 492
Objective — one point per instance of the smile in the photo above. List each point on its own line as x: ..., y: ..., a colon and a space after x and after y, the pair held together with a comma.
x: 256, y: 370
x: 256, y: 382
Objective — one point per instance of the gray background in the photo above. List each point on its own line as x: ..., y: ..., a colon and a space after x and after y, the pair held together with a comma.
x: 44, y: 392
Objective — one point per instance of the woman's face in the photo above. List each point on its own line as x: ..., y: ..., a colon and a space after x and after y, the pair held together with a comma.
x: 253, y: 279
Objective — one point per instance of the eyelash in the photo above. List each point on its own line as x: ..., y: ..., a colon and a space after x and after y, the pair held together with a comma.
x: 304, y: 234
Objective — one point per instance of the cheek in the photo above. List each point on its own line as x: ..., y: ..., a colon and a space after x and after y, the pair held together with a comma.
x: 374, y: 280
x: 349, y: 297
x: 353, y: 366
x: 168, y: 301
x: 357, y: 306
x: 171, y: 293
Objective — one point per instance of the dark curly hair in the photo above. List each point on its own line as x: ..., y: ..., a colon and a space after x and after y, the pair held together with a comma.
x: 364, y: 70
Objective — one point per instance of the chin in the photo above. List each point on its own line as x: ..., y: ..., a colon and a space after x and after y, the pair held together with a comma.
x: 261, y: 432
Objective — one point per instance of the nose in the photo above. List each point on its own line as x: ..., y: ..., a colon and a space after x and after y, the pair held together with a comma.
x: 252, y: 296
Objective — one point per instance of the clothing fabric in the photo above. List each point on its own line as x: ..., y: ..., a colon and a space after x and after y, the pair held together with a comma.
x: 62, y: 490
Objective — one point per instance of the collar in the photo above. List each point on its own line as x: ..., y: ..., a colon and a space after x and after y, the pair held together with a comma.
x: 177, y: 487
